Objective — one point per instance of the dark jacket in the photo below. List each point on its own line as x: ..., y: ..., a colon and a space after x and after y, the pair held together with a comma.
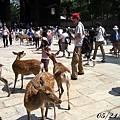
x: 114, y: 37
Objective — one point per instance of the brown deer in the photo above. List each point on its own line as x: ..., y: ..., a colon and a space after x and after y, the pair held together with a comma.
x: 61, y: 74
x: 25, y: 67
x: 4, y: 80
x: 38, y: 91
x: 22, y: 37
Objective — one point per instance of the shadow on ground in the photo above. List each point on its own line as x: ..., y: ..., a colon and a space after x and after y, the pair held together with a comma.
x: 33, y: 117
x: 109, y: 59
x: 115, y: 91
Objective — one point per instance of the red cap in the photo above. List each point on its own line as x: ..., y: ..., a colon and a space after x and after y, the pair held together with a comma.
x: 75, y: 16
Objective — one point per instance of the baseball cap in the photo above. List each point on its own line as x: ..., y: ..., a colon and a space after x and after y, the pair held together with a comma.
x: 75, y: 16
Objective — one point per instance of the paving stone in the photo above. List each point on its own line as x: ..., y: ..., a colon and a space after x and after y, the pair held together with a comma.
x: 7, y: 112
x: 81, y: 101
x: 101, y: 95
x: 10, y: 103
x: 114, y: 101
x: 95, y: 92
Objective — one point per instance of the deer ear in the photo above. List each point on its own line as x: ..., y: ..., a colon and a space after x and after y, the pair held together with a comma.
x: 14, y: 53
x: 22, y: 52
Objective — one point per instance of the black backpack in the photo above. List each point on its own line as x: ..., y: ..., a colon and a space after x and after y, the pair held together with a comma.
x: 67, y: 40
x: 87, y: 45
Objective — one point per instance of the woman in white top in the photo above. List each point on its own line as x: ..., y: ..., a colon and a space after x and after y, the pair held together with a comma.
x: 5, y: 33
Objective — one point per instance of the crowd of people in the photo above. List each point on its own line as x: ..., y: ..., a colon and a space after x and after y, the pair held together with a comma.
x: 65, y: 36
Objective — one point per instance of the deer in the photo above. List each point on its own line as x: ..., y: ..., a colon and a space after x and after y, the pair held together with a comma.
x: 62, y: 75
x: 4, y: 81
x: 40, y: 90
x: 25, y: 67
x: 22, y: 37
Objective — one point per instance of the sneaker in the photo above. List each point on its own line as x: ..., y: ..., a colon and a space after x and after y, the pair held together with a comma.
x: 80, y: 73
x: 57, y: 52
x: 63, y: 55
x: 93, y: 62
x: 103, y: 61
x: 72, y: 78
x: 87, y: 64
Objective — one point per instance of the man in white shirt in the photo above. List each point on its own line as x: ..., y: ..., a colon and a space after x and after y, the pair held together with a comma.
x: 77, y: 63
x: 99, y: 41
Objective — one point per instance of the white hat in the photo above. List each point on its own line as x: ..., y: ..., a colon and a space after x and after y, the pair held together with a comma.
x: 115, y: 27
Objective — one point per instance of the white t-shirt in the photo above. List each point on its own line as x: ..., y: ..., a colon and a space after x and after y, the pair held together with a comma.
x: 64, y: 35
x: 79, y: 29
x: 100, y: 34
x: 60, y: 31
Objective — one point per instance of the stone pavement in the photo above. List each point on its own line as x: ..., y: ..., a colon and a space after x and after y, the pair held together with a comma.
x: 94, y: 96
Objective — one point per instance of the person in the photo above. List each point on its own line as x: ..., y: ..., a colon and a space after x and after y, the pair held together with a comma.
x: 30, y: 34
x: 5, y: 33
x: 69, y: 33
x: 77, y: 63
x: 49, y: 37
x: 60, y: 31
x: 113, y: 38
x: 45, y: 49
x: 64, y: 45
x: 44, y: 32
x: 21, y: 32
x: 10, y: 36
x: 91, y: 34
x: 99, y: 35
x: 37, y: 37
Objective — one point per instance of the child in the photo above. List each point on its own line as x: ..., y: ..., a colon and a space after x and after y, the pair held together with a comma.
x: 45, y: 49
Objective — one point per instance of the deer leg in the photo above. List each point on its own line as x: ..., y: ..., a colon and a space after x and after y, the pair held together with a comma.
x: 68, y: 88
x: 16, y: 76
x: 6, y: 83
x: 28, y: 113
x: 58, y: 89
x: 47, y: 106
x: 54, y: 111
x: 22, y: 81
x: 62, y: 90
x: 42, y: 112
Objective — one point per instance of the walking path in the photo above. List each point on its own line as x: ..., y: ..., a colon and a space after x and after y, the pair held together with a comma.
x: 94, y: 96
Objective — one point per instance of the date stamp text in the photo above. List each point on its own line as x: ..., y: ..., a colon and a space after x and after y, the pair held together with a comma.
x: 106, y: 115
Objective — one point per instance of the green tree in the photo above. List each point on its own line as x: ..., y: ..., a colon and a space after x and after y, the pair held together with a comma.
x: 15, y: 10
x: 91, y: 9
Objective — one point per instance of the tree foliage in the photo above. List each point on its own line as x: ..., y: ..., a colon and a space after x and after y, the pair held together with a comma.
x: 15, y: 10
x: 91, y: 8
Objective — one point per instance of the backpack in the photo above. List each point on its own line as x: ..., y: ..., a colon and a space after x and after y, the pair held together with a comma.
x: 87, y: 45
x: 104, y: 33
x: 67, y: 40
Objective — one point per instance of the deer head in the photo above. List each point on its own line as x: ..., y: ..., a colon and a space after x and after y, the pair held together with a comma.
x: 19, y: 55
